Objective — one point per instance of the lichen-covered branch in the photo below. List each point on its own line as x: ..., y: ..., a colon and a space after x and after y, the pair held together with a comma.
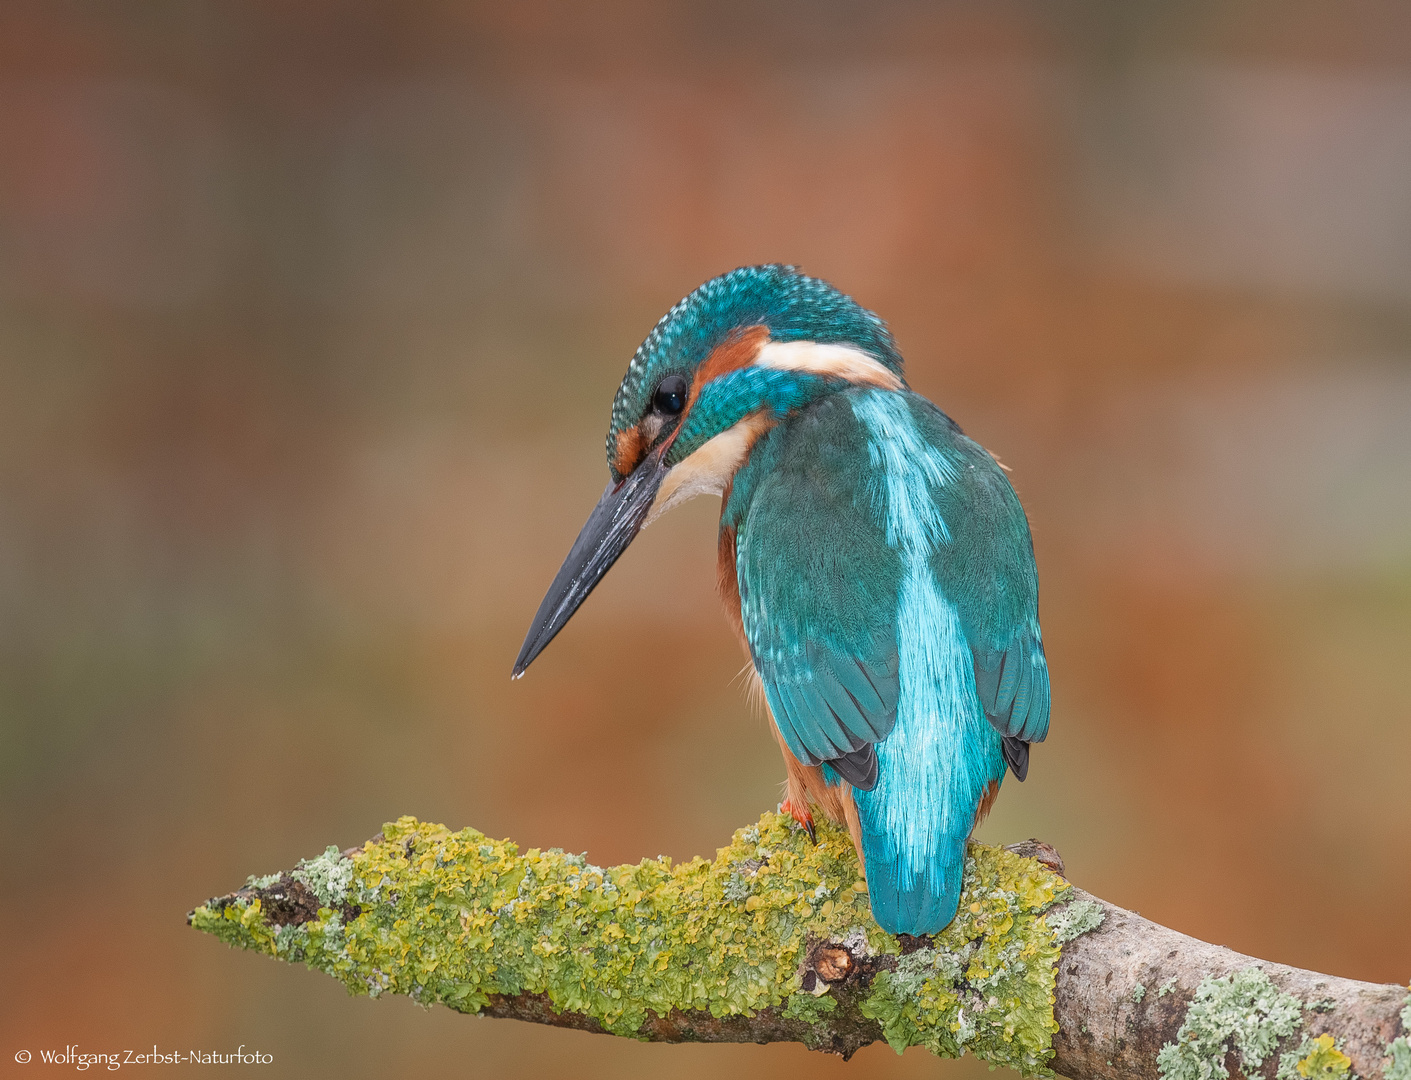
x: 774, y: 941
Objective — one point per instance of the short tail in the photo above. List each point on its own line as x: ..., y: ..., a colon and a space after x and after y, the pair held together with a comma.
x: 908, y: 899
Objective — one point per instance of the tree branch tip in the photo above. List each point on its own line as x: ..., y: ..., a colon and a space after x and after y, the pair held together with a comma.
x: 773, y: 940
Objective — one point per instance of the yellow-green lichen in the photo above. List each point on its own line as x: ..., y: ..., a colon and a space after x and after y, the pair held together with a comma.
x: 809, y: 1007
x: 1245, y: 1012
x: 454, y: 918
x: 986, y: 984
x: 1317, y: 1058
x: 239, y: 924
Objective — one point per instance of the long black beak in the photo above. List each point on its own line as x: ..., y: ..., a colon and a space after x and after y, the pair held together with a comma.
x: 612, y: 525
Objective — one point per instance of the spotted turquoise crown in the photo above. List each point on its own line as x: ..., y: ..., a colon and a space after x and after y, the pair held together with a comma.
x: 794, y: 306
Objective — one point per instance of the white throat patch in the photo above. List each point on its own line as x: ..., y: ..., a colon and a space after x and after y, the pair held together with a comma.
x: 710, y: 467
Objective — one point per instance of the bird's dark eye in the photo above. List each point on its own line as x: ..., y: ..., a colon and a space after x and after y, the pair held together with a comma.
x: 670, y: 396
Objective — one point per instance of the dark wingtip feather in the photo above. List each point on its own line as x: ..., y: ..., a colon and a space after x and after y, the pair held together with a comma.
x: 1016, y: 755
x: 858, y: 768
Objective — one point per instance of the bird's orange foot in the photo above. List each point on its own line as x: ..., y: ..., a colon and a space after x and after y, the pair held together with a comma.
x: 800, y: 814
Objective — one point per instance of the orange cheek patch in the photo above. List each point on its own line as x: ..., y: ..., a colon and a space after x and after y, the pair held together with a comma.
x: 736, y: 351
x: 629, y: 450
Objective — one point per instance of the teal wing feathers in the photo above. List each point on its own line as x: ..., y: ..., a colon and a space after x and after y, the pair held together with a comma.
x: 818, y: 587
x: 889, y: 598
x: 1013, y: 686
x: 988, y: 569
x: 819, y: 584
x: 1014, y: 692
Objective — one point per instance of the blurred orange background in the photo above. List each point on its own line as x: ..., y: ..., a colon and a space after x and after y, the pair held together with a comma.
x: 311, y: 315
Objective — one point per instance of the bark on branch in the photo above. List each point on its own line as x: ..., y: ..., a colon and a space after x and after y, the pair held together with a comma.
x: 773, y: 941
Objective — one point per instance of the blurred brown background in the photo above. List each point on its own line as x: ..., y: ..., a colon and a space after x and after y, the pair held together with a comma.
x: 310, y: 319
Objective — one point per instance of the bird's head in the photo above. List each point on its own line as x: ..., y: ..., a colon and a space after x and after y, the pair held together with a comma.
x: 719, y: 369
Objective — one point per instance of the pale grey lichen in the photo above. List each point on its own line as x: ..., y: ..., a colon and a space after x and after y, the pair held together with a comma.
x: 737, y: 889
x: 1167, y: 987
x: 1400, y: 1052
x: 1245, y: 1012
x: 1075, y: 919
x: 1138, y: 992
x: 327, y: 876
x: 289, y: 942
x: 1399, y: 1049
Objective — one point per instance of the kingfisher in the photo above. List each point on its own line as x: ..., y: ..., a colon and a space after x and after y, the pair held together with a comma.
x: 874, y: 562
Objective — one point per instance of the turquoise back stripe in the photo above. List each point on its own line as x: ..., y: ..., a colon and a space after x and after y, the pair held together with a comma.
x: 934, y: 766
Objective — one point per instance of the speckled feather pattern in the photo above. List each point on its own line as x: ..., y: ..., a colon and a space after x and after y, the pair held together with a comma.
x: 794, y: 306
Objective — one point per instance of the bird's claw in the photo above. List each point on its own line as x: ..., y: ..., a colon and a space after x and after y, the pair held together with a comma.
x: 801, y: 815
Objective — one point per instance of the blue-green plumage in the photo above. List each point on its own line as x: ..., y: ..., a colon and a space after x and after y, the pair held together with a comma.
x: 885, y: 574
x: 794, y: 306
x: 878, y: 551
